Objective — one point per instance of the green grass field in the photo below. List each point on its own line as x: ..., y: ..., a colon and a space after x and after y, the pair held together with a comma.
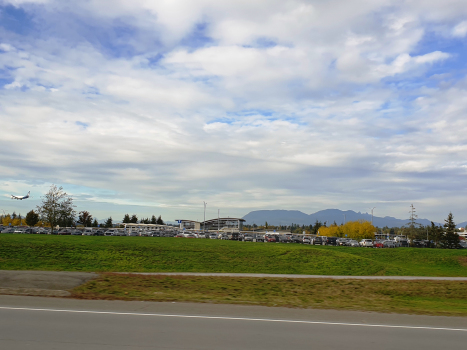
x: 151, y: 254
x: 412, y: 297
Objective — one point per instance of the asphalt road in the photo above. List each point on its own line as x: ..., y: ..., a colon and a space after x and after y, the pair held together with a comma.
x: 52, y: 323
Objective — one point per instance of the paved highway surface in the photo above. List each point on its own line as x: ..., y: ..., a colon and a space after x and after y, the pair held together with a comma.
x: 53, y: 323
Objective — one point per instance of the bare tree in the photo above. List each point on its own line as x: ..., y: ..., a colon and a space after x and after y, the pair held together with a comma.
x: 57, y: 206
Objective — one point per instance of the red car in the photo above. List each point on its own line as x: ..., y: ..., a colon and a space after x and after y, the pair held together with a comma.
x: 378, y: 244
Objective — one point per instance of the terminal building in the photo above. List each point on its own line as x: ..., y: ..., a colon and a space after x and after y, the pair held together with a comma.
x: 219, y: 224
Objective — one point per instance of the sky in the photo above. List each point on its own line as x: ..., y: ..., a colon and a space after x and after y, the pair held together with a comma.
x: 154, y: 107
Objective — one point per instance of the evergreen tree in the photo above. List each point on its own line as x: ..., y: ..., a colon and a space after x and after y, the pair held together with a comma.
x: 153, y: 220
x: 435, y: 233
x: 108, y: 222
x: 316, y: 227
x: 412, y: 224
x: 32, y: 218
x: 450, y: 238
x: 126, y: 219
x: 134, y: 219
x: 13, y: 216
x: 85, y: 218
x: 160, y: 221
x: 95, y: 223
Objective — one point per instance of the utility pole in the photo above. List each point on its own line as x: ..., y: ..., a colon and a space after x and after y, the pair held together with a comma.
x: 218, y: 210
x: 204, y: 222
x: 372, y: 214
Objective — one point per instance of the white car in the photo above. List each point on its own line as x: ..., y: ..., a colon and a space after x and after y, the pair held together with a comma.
x: 366, y: 243
x: 352, y: 243
x: 87, y: 232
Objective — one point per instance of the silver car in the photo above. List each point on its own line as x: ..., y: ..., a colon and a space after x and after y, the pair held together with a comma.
x: 366, y: 243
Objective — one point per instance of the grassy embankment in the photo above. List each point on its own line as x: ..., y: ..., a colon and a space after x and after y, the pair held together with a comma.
x: 150, y: 254
x: 141, y: 254
x: 413, y: 297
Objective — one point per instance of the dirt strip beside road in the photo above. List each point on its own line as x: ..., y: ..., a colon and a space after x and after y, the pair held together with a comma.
x: 271, y: 275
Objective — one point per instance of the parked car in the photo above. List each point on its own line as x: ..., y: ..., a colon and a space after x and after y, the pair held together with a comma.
x: 259, y: 238
x: 99, y: 233
x: 87, y: 232
x: 8, y: 230
x: 463, y: 244
x: 353, y: 243
x: 248, y: 237
x: 342, y: 241
x: 366, y: 243
x: 389, y: 244
x: 64, y: 232
x: 213, y: 236
x: 76, y: 233
x: 271, y: 238
x: 317, y: 240
x: 297, y: 239
x: 233, y: 236
x: 421, y: 243
x: 378, y: 243
x: 330, y: 241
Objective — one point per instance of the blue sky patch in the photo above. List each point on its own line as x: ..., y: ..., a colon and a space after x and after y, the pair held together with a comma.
x: 198, y: 37
x: 82, y: 124
x: 16, y: 20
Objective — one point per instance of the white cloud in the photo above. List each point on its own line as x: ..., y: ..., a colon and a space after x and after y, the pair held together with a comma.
x: 460, y: 30
x: 287, y: 105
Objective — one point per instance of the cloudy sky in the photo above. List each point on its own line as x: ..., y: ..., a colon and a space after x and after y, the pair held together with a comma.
x: 152, y: 107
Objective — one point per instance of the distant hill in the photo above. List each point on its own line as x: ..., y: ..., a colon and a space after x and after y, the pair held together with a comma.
x: 287, y: 217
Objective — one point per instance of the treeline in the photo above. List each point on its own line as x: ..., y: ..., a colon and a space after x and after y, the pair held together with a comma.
x: 134, y: 220
x: 84, y: 218
x: 293, y: 228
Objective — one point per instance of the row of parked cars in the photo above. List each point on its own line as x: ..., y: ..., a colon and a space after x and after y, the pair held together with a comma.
x: 88, y: 232
x: 268, y: 237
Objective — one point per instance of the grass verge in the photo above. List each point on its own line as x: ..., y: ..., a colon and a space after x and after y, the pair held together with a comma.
x: 151, y: 254
x: 409, y: 297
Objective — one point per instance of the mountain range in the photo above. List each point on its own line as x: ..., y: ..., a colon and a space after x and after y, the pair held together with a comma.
x: 287, y: 217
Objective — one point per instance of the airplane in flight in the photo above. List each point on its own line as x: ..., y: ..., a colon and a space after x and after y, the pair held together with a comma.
x: 21, y: 198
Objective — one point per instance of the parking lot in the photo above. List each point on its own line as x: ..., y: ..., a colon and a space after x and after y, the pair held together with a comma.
x: 254, y: 237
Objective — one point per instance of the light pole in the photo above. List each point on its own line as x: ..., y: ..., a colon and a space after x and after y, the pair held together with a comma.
x: 218, y: 210
x: 372, y: 214
x: 204, y: 222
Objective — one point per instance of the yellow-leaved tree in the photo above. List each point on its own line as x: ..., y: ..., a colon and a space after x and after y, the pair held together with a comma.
x: 352, y: 229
